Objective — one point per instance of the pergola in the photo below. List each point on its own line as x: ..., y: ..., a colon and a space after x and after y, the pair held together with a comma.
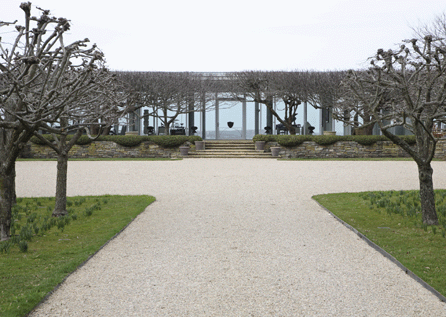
x: 221, y: 96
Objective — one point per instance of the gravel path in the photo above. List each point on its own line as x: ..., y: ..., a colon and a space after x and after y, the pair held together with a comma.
x: 234, y: 237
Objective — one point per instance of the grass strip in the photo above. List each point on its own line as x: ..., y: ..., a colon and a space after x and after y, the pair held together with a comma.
x: 52, y: 254
x: 392, y: 220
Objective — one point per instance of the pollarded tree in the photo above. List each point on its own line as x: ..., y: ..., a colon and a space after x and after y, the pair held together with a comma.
x: 263, y: 87
x: 34, y: 89
x: 405, y: 88
x: 168, y: 94
x: 323, y: 89
x: 101, y: 105
x: 293, y: 88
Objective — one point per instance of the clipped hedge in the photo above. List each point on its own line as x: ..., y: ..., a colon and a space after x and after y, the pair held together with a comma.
x: 83, y: 140
x: 327, y: 139
x: 166, y: 141
x: 410, y: 139
x: 366, y: 139
x: 194, y: 138
x: 124, y: 140
x: 265, y: 137
x: 292, y: 140
x: 169, y: 141
x: 36, y: 140
x: 295, y: 140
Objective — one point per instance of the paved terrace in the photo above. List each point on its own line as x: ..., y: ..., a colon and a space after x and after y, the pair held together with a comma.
x: 234, y: 237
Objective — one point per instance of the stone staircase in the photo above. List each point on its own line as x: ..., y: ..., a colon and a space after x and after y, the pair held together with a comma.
x: 229, y: 149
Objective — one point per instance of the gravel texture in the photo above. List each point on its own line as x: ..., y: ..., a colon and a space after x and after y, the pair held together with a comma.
x: 234, y: 237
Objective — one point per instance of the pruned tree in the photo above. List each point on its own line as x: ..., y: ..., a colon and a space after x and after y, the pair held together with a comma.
x: 168, y: 94
x: 34, y: 88
x: 293, y: 88
x: 405, y: 88
x: 101, y: 105
x: 322, y: 89
x: 263, y: 87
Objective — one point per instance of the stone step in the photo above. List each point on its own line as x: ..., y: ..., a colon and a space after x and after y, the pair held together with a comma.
x: 229, y: 156
x: 229, y: 145
x: 204, y: 153
x: 230, y: 141
x: 229, y: 149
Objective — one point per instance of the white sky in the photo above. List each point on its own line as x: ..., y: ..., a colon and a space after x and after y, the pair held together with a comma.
x: 234, y: 35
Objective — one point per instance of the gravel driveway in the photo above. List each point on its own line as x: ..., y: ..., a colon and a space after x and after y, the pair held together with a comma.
x: 234, y: 237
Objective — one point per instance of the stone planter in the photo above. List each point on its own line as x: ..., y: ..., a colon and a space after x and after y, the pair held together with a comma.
x: 199, y: 145
x: 132, y: 133
x: 275, y: 151
x: 260, y: 145
x: 329, y: 132
x: 184, y: 150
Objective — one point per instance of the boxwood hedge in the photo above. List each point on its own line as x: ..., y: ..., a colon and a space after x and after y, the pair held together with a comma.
x: 295, y: 140
x: 36, y: 140
x: 166, y: 141
x: 81, y: 141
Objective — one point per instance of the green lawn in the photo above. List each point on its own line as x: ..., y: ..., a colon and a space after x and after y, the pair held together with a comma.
x: 392, y: 220
x: 52, y: 254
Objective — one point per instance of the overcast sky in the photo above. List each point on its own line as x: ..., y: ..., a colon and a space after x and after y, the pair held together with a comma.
x: 234, y: 35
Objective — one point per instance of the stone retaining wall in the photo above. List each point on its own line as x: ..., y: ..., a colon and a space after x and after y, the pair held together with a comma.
x: 104, y: 149
x: 308, y: 149
x: 349, y: 149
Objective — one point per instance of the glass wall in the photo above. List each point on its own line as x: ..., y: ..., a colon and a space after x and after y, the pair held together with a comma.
x: 232, y: 111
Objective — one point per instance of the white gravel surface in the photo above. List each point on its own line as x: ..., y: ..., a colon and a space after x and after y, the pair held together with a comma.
x: 234, y: 237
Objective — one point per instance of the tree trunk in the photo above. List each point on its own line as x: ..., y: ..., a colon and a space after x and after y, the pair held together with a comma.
x: 292, y: 129
x: 106, y: 131
x: 60, y: 208
x: 427, y: 195
x: 7, y: 193
x: 368, y: 130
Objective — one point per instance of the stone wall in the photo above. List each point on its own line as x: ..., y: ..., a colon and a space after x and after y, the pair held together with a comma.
x: 349, y: 149
x: 308, y: 149
x: 104, y: 149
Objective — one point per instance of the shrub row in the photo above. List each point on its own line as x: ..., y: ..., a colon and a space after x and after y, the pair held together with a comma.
x: 81, y: 141
x: 295, y: 140
x: 166, y: 141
